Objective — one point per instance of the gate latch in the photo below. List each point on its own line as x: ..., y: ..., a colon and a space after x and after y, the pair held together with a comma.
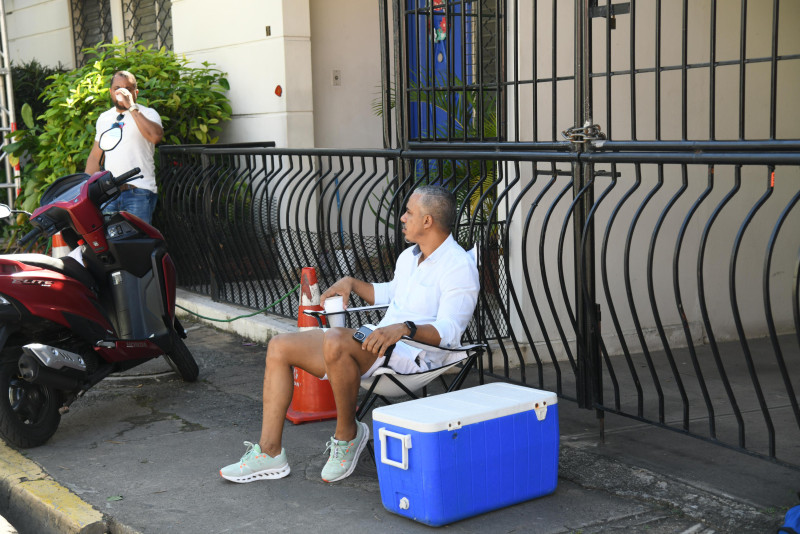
x: 585, y: 134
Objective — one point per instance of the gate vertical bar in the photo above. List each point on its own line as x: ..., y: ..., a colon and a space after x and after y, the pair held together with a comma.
x: 589, y: 377
x: 386, y: 83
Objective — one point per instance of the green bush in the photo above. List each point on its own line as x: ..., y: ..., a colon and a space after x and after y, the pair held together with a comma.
x: 191, y: 101
x: 30, y: 80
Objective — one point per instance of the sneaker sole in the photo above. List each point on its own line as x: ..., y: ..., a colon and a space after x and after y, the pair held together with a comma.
x: 267, y: 474
x: 357, y: 455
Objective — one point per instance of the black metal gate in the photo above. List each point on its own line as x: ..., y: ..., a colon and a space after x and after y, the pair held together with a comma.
x: 662, y: 135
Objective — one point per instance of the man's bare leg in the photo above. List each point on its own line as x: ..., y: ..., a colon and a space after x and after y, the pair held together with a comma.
x: 300, y: 349
x: 345, y: 363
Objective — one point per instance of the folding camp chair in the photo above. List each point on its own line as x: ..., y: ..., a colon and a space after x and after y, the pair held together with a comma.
x: 386, y: 382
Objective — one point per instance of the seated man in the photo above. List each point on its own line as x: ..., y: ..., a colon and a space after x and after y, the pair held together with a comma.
x: 431, y: 299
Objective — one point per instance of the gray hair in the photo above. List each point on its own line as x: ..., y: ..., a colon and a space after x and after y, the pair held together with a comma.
x: 439, y: 203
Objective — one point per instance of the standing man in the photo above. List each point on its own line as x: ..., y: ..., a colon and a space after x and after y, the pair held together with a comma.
x: 141, y: 130
x: 431, y: 299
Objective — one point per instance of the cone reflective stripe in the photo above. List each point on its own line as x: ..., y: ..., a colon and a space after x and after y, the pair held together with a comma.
x: 309, y: 298
x: 59, y: 247
x: 312, y: 398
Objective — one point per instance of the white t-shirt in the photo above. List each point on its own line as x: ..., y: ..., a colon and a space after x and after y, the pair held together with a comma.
x: 134, y: 150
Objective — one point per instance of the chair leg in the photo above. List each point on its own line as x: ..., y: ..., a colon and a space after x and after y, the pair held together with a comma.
x: 365, y: 406
x: 371, y: 447
x: 369, y: 400
x: 444, y: 383
x: 402, y: 386
x: 480, y: 367
x: 462, y: 375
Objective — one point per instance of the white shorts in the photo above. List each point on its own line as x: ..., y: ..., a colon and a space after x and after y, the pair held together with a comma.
x: 405, y: 359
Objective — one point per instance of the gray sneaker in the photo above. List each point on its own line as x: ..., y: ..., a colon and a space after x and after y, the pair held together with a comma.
x: 256, y: 465
x: 344, y: 454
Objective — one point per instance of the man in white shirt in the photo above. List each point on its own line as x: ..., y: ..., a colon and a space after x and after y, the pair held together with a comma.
x: 141, y: 131
x: 431, y: 299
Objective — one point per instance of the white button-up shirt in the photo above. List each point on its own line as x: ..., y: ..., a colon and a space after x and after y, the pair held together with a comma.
x: 441, y: 291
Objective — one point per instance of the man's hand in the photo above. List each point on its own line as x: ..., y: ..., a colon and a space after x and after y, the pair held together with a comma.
x: 348, y: 285
x: 382, y: 338
x: 124, y: 98
x: 343, y: 287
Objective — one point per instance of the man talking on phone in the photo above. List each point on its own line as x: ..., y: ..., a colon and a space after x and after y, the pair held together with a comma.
x: 430, y: 299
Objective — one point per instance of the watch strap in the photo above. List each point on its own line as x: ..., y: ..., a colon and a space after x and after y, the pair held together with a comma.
x: 412, y: 327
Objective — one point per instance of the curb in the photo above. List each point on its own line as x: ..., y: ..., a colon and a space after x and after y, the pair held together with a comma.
x: 34, y: 502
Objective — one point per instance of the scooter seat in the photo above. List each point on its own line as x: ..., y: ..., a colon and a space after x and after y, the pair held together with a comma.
x: 66, y: 266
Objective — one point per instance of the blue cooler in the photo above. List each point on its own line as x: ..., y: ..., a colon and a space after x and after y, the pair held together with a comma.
x: 459, y: 454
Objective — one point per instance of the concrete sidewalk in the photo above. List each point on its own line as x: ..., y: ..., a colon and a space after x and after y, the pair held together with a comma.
x: 141, y: 453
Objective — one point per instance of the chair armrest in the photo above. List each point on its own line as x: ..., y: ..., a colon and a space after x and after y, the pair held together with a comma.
x: 425, y: 346
x: 323, y: 313
x: 319, y: 314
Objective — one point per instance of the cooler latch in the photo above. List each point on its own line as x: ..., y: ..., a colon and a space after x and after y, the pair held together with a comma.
x: 541, y: 410
x: 405, y: 442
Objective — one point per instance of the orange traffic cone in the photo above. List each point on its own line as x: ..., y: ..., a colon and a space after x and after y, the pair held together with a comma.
x: 312, y: 399
x: 59, y: 246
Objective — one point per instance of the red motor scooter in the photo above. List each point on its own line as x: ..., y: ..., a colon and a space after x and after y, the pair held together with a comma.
x: 65, y: 324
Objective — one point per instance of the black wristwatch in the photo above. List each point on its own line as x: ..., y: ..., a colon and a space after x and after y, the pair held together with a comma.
x: 412, y: 327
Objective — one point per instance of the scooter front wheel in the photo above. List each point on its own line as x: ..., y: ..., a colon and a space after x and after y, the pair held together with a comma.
x: 181, y: 360
x: 29, y: 413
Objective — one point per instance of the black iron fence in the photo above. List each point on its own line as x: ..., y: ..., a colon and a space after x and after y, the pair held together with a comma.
x: 648, y: 266
x: 243, y: 221
x: 655, y: 274
x: 692, y: 260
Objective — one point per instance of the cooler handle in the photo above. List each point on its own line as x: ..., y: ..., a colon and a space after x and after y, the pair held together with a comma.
x: 405, y: 441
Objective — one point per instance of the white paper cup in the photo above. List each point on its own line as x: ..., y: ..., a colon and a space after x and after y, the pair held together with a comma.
x: 334, y: 304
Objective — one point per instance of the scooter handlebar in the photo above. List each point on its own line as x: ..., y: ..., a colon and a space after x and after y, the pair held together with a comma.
x: 124, y: 177
x: 30, y: 236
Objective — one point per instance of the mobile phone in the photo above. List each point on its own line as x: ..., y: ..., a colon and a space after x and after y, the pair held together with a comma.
x: 361, y: 334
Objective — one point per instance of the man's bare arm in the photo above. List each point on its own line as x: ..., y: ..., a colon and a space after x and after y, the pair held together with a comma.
x: 93, y: 163
x: 152, y: 131
x: 347, y: 285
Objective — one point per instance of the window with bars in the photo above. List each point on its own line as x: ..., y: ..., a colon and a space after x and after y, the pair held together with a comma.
x: 149, y: 21
x: 91, y: 24
x: 453, y: 68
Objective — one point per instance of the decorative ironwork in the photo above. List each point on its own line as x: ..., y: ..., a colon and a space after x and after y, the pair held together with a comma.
x: 697, y: 140
x: 242, y: 221
x: 149, y: 21
x: 91, y: 24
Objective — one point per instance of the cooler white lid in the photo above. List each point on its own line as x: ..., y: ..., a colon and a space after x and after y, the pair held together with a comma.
x: 451, y: 411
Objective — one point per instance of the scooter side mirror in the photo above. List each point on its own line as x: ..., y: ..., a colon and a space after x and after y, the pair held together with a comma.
x: 110, y: 138
x: 5, y: 211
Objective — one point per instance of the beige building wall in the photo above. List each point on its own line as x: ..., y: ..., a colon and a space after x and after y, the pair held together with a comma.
x: 346, y: 40
x: 40, y: 30
x: 235, y: 38
x: 313, y: 109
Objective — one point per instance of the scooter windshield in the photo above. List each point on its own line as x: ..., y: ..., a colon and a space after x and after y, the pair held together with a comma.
x: 64, y: 189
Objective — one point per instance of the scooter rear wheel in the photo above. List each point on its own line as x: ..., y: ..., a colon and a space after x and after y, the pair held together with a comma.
x: 181, y: 360
x: 29, y: 413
